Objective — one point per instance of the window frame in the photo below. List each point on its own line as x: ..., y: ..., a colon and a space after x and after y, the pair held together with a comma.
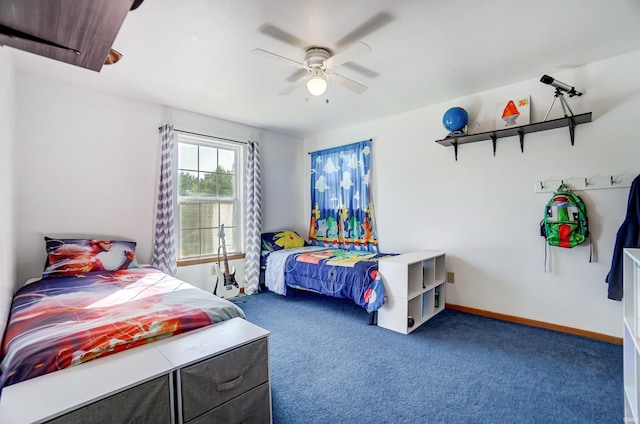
x: 239, y: 150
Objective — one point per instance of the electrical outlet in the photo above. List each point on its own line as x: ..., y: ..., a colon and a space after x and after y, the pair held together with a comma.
x: 451, y: 277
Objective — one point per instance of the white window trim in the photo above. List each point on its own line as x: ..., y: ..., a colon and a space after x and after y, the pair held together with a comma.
x: 240, y: 150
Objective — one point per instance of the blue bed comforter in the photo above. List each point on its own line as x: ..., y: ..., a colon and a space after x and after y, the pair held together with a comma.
x: 332, y: 272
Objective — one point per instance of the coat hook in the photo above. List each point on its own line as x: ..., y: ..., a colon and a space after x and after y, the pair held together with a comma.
x: 586, y: 182
x: 613, y: 181
x: 541, y: 185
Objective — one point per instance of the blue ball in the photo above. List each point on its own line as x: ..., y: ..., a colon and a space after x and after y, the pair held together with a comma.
x: 455, y: 119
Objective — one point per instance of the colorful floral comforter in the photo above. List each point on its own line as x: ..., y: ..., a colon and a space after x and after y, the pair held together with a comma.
x: 333, y: 272
x: 58, y: 322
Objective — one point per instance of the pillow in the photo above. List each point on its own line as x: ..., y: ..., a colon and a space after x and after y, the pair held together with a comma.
x: 282, y: 240
x: 76, y: 256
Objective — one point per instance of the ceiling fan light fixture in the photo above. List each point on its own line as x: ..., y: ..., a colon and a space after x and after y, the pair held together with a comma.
x: 317, y: 85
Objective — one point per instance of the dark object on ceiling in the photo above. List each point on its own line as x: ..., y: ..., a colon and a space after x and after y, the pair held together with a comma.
x: 77, y: 32
x: 135, y: 4
x: 14, y: 33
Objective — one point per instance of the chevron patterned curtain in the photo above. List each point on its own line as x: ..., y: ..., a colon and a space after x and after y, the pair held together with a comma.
x: 254, y: 218
x: 164, y: 245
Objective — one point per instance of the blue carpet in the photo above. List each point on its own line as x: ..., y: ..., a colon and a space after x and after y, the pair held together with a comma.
x: 329, y: 366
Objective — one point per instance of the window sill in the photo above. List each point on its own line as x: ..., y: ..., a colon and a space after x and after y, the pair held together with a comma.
x: 211, y: 259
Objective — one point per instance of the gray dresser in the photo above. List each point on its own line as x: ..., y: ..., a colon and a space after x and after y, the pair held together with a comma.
x: 215, y: 374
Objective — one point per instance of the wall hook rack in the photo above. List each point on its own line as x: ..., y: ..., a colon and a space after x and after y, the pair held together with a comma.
x: 586, y: 183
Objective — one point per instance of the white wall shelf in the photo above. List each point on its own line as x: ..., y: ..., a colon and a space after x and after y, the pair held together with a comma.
x: 567, y: 121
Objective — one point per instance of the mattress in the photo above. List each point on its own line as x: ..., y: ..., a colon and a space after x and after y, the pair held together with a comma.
x: 332, y: 272
x: 58, y: 322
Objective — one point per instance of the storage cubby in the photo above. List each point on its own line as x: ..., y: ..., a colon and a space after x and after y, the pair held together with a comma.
x: 415, y: 280
x: 415, y: 285
x: 415, y: 311
x: 438, y: 303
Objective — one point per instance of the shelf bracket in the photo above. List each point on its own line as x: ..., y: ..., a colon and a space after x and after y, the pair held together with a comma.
x: 521, y: 135
x: 494, y: 138
x: 455, y: 149
x: 572, y: 129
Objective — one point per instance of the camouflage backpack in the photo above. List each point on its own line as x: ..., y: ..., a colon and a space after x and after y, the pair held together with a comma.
x: 565, y: 222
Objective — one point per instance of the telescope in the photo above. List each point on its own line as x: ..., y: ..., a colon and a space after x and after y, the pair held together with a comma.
x: 571, y: 91
x: 561, y: 88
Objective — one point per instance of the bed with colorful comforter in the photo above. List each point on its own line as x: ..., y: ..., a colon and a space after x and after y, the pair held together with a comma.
x: 64, y: 320
x: 332, y: 272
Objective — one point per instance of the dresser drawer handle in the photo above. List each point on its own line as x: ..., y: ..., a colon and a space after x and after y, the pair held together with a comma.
x: 232, y: 384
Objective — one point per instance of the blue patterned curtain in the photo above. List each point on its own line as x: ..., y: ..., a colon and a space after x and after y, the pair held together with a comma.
x: 341, y: 205
x: 164, y: 244
x: 254, y: 218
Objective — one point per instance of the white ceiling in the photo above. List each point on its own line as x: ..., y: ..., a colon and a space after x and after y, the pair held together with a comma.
x: 196, y: 55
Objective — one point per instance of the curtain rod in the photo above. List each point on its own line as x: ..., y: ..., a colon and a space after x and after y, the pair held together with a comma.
x: 371, y: 140
x: 208, y: 136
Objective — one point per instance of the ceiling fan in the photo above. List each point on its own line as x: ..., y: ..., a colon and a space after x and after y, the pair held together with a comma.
x: 314, y: 70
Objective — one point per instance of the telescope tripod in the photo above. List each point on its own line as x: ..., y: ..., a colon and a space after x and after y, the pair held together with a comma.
x: 559, y: 94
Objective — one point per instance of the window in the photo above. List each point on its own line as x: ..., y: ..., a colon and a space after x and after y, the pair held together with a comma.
x: 209, y: 193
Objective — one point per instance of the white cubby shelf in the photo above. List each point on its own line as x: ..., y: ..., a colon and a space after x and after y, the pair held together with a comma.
x: 415, y: 285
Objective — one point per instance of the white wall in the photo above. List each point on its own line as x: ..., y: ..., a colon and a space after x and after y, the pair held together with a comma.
x: 7, y: 142
x: 483, y: 211
x: 86, y: 164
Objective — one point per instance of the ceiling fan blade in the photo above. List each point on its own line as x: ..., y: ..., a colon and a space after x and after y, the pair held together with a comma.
x: 297, y: 75
x: 361, y: 70
x: 278, y: 57
x: 278, y: 34
x: 372, y: 24
x: 291, y: 88
x: 348, y: 54
x: 350, y: 84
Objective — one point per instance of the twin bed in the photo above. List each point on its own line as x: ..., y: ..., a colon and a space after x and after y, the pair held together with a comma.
x: 57, y: 322
x: 289, y: 262
x: 92, y: 301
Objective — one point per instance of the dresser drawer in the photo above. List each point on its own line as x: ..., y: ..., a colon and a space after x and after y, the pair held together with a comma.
x: 217, y: 380
x: 253, y: 407
x: 149, y: 402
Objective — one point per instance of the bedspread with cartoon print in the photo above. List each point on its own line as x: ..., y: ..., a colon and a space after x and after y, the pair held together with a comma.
x: 57, y: 322
x: 333, y: 272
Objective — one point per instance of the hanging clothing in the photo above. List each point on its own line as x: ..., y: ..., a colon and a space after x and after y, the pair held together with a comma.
x: 628, y: 236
